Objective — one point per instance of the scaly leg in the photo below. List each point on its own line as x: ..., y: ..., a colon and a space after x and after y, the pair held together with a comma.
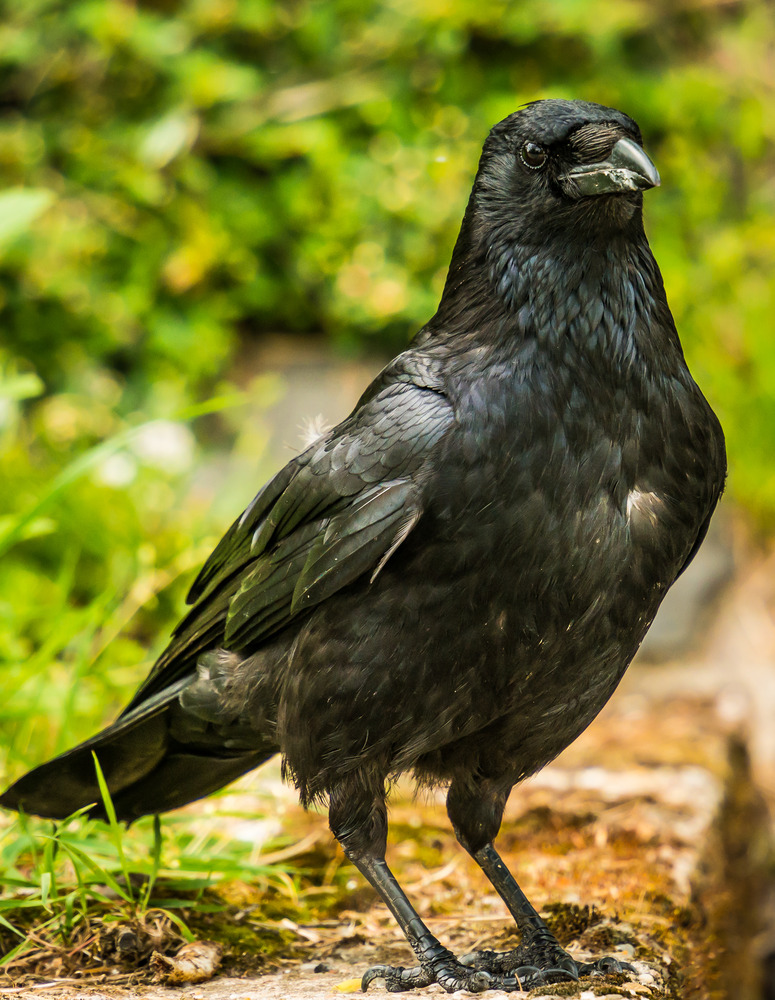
x: 358, y: 820
x: 476, y: 813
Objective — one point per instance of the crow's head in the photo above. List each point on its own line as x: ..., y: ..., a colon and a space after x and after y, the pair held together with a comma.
x: 566, y: 170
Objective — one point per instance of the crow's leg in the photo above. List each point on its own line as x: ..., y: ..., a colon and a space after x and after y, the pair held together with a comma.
x: 476, y: 812
x: 358, y: 820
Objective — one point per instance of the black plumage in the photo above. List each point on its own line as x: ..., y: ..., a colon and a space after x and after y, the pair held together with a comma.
x: 453, y: 580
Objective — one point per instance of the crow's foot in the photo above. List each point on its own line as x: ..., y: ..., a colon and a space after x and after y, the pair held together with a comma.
x: 491, y: 970
x: 450, y: 974
x: 540, y: 966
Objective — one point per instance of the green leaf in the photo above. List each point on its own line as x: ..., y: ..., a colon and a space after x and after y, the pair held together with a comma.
x: 19, y: 387
x: 110, y: 812
x: 104, y: 876
x: 19, y: 207
x: 45, y: 888
x: 10, y: 927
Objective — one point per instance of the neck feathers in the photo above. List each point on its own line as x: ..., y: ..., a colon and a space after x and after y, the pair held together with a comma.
x: 605, y: 301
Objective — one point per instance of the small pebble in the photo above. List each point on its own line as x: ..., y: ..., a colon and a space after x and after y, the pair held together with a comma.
x: 314, y: 966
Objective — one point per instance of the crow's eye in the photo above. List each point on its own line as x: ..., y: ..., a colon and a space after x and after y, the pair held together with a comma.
x: 533, y: 155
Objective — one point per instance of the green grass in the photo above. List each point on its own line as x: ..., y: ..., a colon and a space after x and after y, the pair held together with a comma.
x: 69, y: 882
x: 93, y: 581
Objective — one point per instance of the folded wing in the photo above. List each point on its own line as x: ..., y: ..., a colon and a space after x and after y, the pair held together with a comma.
x: 334, y: 514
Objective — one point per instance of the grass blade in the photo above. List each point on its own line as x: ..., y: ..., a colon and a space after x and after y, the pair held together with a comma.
x: 115, y: 828
x: 104, y: 876
x: 155, y: 859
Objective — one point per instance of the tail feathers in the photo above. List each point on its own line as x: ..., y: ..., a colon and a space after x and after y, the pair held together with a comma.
x: 145, y: 770
x: 183, y: 777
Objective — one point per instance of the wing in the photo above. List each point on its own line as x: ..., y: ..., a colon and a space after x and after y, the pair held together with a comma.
x: 335, y: 513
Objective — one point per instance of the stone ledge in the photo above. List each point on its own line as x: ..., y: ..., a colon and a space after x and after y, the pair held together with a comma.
x: 647, y: 840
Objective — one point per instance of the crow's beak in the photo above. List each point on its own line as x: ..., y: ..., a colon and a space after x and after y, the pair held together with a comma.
x: 626, y: 169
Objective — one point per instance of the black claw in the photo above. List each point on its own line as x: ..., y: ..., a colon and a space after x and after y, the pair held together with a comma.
x: 603, y: 966
x: 375, y: 972
x: 397, y: 978
x: 526, y: 972
x: 567, y: 965
x: 528, y: 977
x: 479, y: 982
x: 565, y: 970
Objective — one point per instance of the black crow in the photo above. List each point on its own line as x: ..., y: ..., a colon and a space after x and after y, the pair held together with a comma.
x: 453, y: 580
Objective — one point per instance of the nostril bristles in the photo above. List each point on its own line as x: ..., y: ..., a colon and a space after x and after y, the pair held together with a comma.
x: 593, y: 142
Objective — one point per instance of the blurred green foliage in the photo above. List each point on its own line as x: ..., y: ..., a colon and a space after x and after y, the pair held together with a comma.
x: 180, y: 172
x: 177, y: 176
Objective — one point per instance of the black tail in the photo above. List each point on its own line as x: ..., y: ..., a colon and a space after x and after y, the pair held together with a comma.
x: 147, y: 769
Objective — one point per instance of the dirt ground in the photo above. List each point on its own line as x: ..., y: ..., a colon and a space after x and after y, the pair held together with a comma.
x: 648, y: 839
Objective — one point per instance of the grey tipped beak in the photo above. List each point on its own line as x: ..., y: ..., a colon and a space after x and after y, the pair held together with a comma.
x: 626, y: 169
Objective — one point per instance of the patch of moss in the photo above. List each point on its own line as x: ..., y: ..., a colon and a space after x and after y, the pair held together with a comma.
x: 567, y: 920
x: 248, y: 947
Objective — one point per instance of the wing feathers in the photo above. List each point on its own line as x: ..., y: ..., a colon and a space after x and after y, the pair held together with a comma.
x: 354, y: 541
x: 230, y: 554
x: 335, y: 513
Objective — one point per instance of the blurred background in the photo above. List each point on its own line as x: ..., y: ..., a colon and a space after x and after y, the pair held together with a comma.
x: 219, y: 217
